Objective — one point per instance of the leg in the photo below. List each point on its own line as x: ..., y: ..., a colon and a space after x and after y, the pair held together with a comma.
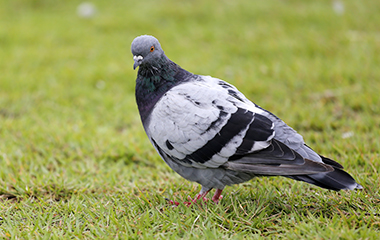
x: 217, y: 196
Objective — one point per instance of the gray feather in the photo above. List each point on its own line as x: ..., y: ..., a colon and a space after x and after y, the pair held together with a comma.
x: 309, y: 167
x: 207, y: 131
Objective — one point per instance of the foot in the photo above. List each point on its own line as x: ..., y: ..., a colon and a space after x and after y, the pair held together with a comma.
x: 172, y: 202
x: 191, y: 201
x: 199, y: 196
x: 217, y: 196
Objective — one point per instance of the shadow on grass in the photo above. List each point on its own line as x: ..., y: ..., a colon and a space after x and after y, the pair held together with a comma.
x: 8, y: 197
x: 8, y: 114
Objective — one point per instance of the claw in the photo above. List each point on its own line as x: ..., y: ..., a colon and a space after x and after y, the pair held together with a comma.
x: 172, y: 202
x: 202, y: 195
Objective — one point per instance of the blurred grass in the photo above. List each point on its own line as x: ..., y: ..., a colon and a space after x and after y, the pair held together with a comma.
x: 75, y: 161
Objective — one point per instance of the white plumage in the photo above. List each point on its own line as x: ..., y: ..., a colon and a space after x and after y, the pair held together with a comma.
x: 184, y: 114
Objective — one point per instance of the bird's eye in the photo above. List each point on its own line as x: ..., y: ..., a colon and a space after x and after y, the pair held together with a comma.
x: 152, y: 48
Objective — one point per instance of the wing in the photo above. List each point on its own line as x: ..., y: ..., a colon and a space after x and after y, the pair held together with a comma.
x: 210, y: 124
x: 284, y: 133
x: 201, y: 124
x: 277, y: 159
x: 208, y: 132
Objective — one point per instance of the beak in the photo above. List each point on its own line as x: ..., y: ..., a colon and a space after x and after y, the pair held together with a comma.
x: 138, y: 61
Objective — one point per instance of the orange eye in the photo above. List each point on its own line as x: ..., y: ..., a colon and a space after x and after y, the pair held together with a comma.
x: 152, y: 48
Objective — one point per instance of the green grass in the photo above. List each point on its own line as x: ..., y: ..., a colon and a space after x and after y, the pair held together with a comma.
x: 75, y: 161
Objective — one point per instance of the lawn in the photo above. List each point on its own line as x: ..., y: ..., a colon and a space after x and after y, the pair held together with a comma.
x: 75, y: 161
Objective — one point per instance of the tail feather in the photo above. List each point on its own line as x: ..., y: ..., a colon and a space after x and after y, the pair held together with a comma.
x: 335, y: 180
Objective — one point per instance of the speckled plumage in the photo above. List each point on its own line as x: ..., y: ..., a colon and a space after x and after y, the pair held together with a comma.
x: 210, y: 133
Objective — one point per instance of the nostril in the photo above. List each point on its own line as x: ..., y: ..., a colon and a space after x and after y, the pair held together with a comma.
x: 138, y: 58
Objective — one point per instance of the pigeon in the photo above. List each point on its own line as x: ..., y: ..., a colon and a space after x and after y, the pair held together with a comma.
x: 208, y: 132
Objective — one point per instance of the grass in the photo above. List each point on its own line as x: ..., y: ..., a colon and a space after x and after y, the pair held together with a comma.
x: 75, y: 161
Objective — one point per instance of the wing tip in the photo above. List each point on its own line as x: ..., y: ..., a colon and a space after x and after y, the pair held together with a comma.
x: 355, y: 186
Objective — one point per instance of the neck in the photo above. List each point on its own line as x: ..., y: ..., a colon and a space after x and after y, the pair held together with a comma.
x: 161, y: 73
x: 154, y: 81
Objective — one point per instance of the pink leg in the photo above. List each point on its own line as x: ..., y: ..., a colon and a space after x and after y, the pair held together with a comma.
x: 217, y: 196
x: 202, y: 194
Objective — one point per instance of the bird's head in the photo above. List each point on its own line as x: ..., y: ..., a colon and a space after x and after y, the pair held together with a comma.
x: 146, y: 50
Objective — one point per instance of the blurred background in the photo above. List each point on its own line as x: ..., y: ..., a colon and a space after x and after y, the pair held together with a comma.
x: 75, y: 161
x: 67, y: 82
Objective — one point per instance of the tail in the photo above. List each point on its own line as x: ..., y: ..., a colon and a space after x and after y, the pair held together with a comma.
x: 334, y: 180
